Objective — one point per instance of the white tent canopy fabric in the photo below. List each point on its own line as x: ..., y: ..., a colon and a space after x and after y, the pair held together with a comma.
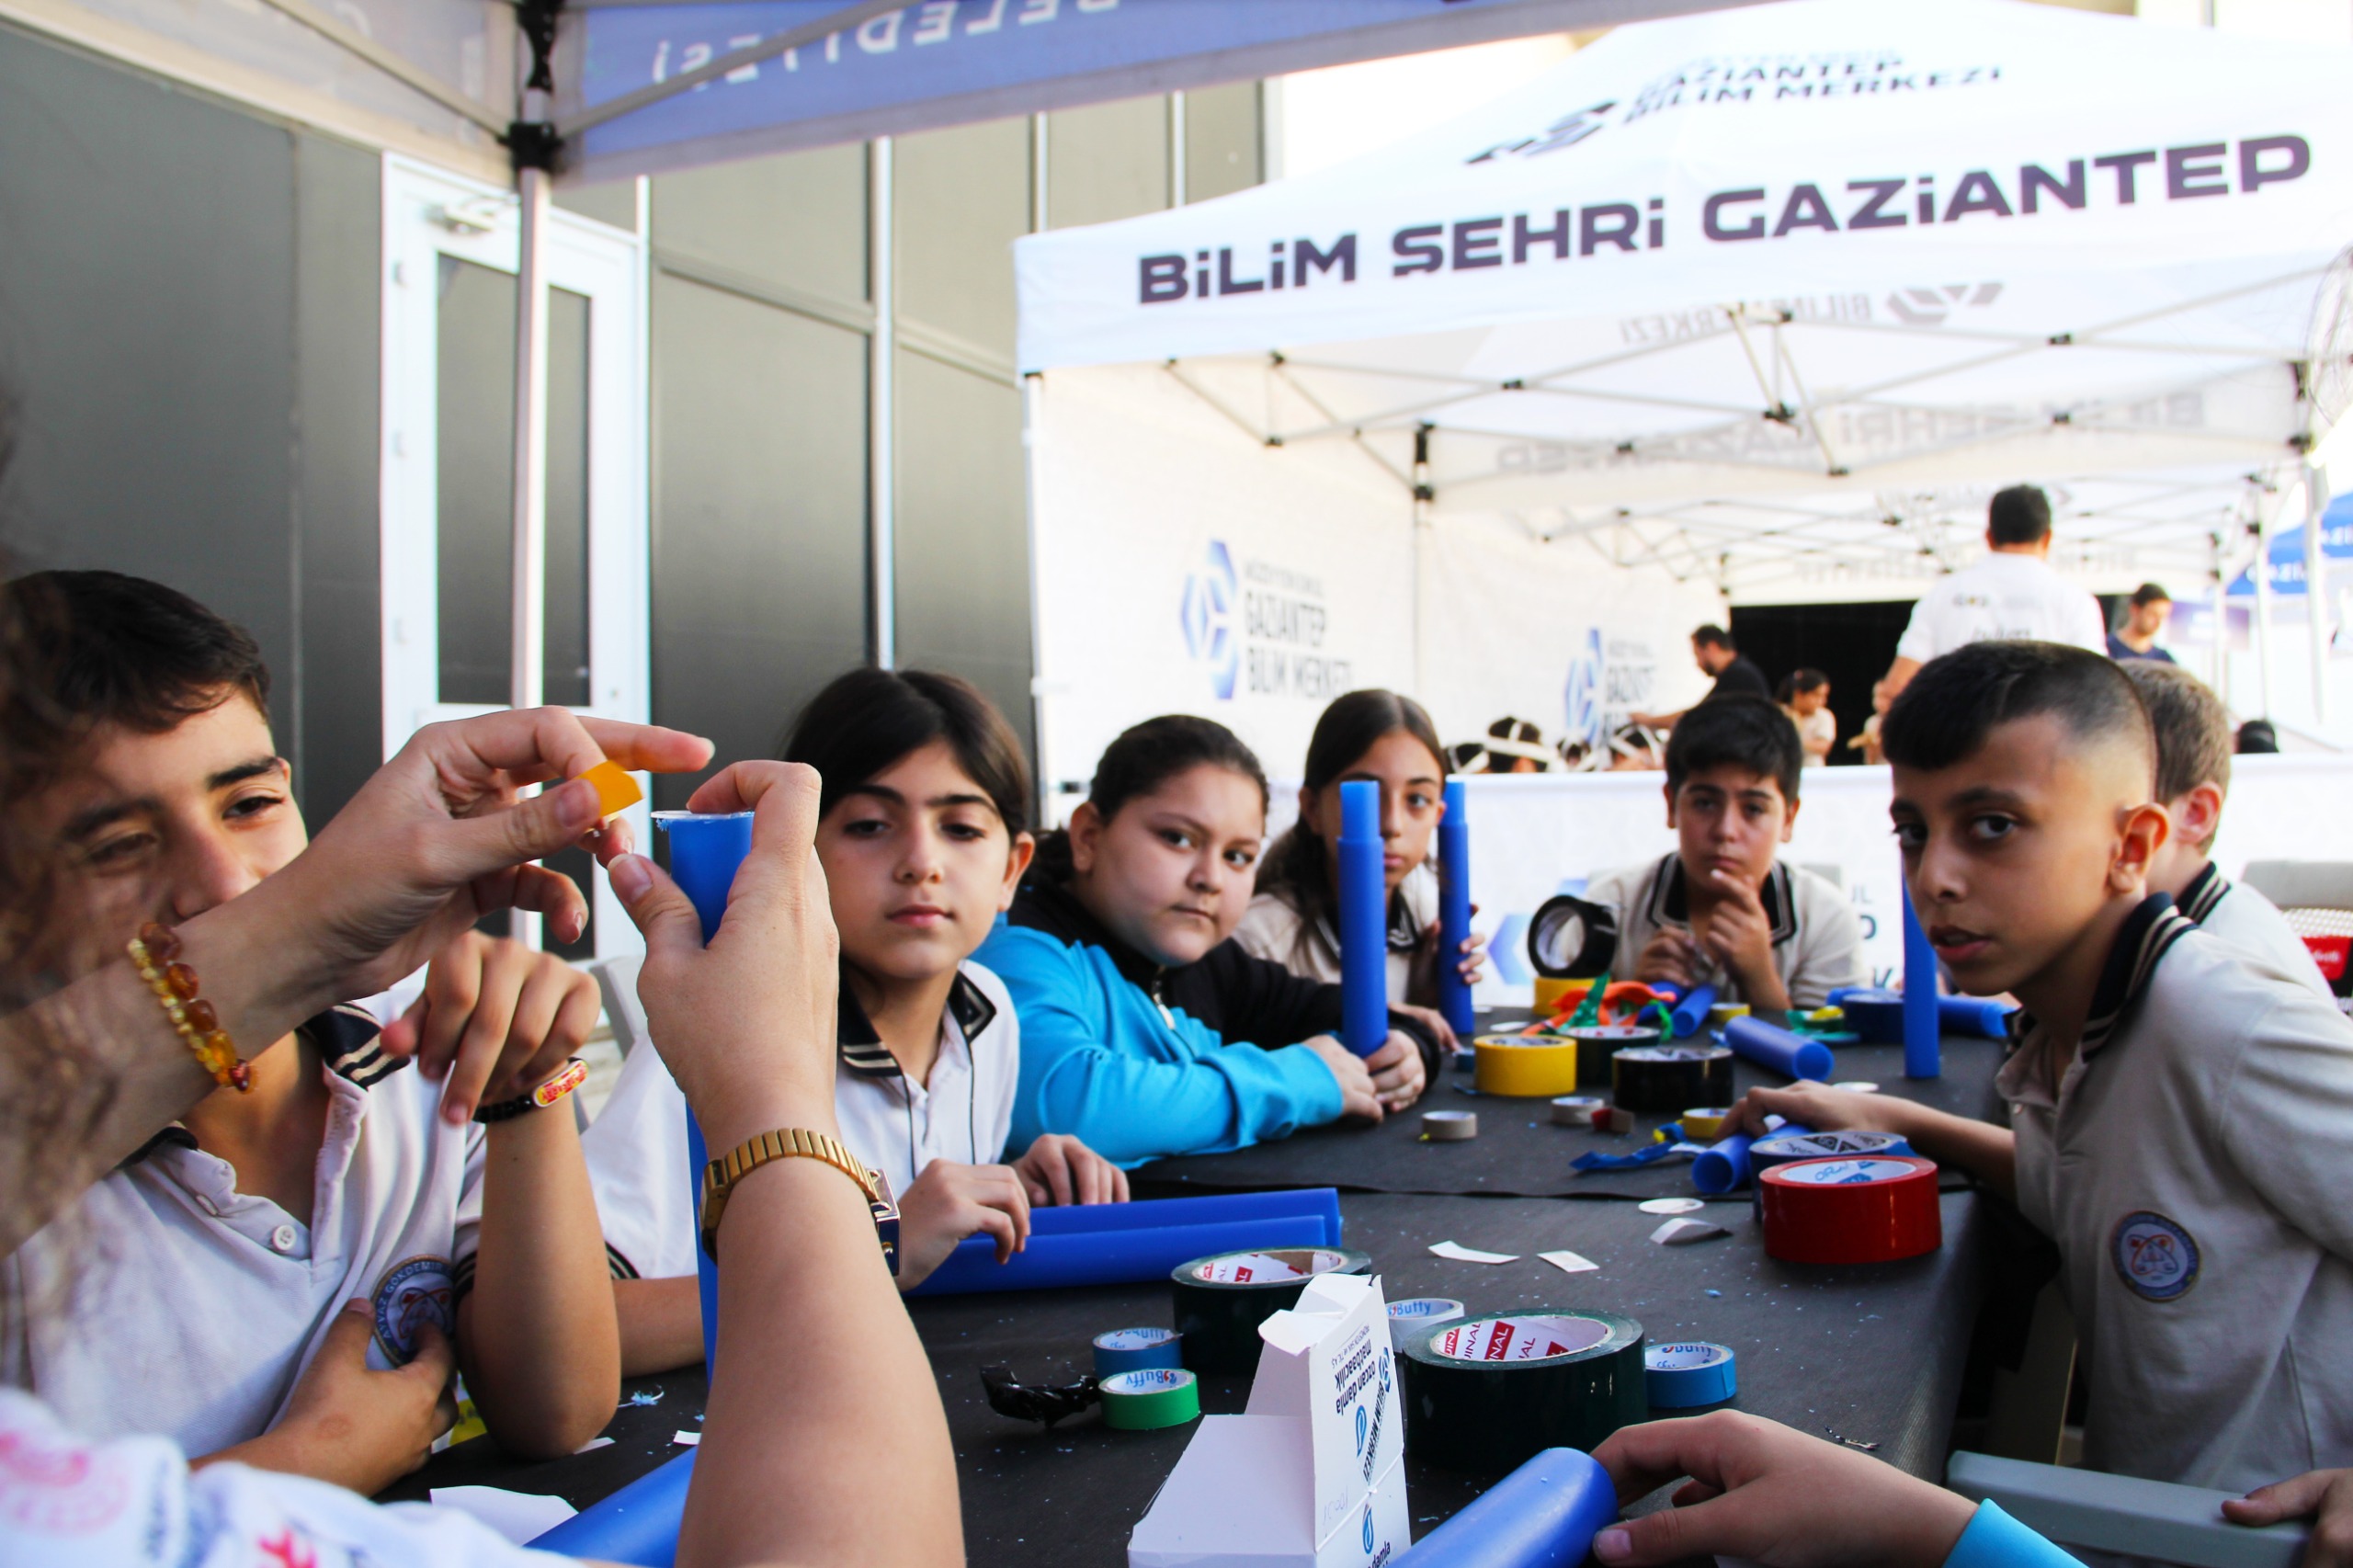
x: 1827, y: 258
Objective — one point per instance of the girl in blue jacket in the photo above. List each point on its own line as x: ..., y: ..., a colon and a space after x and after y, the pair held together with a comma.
x: 1145, y: 1031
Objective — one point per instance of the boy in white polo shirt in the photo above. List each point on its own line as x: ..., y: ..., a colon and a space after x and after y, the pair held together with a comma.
x: 250, y: 1281
x: 2194, y: 737
x: 2177, y: 1113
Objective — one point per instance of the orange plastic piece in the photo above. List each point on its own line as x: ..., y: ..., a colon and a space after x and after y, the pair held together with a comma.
x: 1619, y: 991
x: 616, y: 791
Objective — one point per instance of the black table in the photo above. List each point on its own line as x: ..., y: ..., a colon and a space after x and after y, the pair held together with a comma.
x: 1874, y: 1355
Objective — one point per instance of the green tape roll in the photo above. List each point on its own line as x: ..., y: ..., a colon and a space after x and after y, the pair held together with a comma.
x: 1488, y: 1394
x: 1150, y: 1398
x: 1222, y: 1300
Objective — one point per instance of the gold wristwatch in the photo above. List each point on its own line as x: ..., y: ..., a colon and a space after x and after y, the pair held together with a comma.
x: 720, y: 1176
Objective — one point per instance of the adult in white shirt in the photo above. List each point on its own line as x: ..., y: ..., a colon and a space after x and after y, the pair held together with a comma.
x: 2013, y: 593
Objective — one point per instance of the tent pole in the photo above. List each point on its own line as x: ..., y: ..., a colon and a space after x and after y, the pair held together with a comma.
x: 2262, y: 609
x: 882, y: 492
x: 1041, y: 780
x: 2316, y: 590
x: 527, y: 620
x: 1423, y: 495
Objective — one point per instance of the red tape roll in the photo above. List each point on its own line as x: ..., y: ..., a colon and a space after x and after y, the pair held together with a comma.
x: 1872, y: 1210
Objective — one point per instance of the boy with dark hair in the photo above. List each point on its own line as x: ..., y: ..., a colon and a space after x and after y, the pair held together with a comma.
x: 1722, y: 911
x: 289, y: 1270
x: 2177, y: 1115
x: 2193, y: 777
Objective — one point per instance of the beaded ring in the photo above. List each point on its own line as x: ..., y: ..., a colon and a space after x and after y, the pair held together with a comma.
x: 156, y: 952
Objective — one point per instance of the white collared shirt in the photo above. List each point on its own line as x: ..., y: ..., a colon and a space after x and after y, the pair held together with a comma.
x: 1817, y: 938
x: 2244, y: 919
x: 166, y: 1301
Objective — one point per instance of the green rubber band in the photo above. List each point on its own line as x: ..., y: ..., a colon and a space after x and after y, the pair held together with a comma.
x: 1150, y: 1398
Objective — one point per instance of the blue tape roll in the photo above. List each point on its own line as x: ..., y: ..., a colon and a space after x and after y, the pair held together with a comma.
x: 1364, y: 934
x: 1423, y: 1311
x: 1127, y: 1243
x: 1793, y: 1142
x: 1875, y: 1016
x: 1691, y: 1373
x: 1724, y: 1167
x: 1137, y: 1350
x: 1692, y: 1012
x: 1543, y: 1515
x: 1922, y: 1051
x: 1975, y: 1014
x: 638, y: 1525
x: 1784, y: 1051
x: 1454, y: 911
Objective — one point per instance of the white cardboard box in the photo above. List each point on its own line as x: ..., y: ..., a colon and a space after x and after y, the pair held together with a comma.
x: 1312, y: 1475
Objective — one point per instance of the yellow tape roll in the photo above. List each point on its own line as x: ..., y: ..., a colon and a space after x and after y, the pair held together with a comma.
x: 1707, y: 1126
x: 1526, y: 1066
x: 1723, y: 1013
x: 1551, y: 991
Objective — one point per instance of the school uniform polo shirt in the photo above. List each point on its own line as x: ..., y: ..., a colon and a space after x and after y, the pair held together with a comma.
x: 2243, y: 918
x: 2190, y: 1164
x: 1818, y: 939
x: 638, y: 1163
x: 166, y: 1301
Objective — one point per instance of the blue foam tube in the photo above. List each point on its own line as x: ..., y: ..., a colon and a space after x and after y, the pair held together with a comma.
x: 1723, y: 1167
x: 1216, y: 1209
x: 1543, y: 1515
x: 1922, y: 1052
x: 1454, y: 911
x: 1364, y: 936
x: 1975, y: 1014
x: 1692, y: 1012
x: 638, y: 1525
x: 704, y: 854
x: 1113, y: 1257
x: 1784, y: 1051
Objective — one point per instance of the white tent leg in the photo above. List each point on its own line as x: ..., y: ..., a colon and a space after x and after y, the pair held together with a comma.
x: 2262, y: 570
x: 883, y: 533
x: 1043, y: 779
x: 525, y: 657
x: 2316, y: 605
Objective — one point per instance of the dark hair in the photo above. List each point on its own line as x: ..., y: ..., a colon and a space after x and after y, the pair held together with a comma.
x: 1140, y: 761
x: 2192, y: 726
x: 1740, y: 732
x: 1298, y: 867
x: 104, y: 648
x: 2149, y: 594
x: 2257, y: 737
x: 1714, y: 636
x: 1798, y: 681
x: 2019, y: 515
x: 865, y: 721
x: 1957, y: 700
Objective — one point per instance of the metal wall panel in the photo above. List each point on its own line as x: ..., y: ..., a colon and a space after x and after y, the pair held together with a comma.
x: 1221, y: 141
x: 1106, y: 161
x: 962, y: 198
x: 797, y: 221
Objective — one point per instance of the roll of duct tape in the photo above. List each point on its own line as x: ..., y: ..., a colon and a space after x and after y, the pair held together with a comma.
x: 1692, y: 1373
x: 1571, y: 938
x: 1706, y: 1124
x: 1150, y: 1398
x: 1652, y: 1079
x: 1423, y: 1312
x: 1598, y: 1044
x: 1449, y: 1126
x: 1577, y: 1110
x: 1789, y: 1145
x: 1525, y: 1066
x: 1876, y: 1015
x: 1875, y: 1209
x: 1222, y: 1300
x: 1135, y: 1349
x: 1487, y: 1393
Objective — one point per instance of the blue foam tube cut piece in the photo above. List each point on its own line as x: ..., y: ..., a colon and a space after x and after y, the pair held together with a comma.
x: 1922, y: 1052
x: 1723, y: 1166
x: 705, y: 852
x: 1114, y: 1258
x: 1692, y: 1010
x: 1454, y: 911
x: 1975, y: 1014
x: 1784, y: 1051
x: 1162, y: 1212
x: 638, y: 1525
x: 1543, y: 1515
x: 1364, y: 935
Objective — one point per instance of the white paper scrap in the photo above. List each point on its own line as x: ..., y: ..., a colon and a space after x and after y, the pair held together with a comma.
x: 1670, y: 1205
x: 521, y: 1517
x: 1472, y: 1255
x: 594, y: 1443
x: 1682, y: 1232
x: 686, y: 1439
x: 1568, y: 1262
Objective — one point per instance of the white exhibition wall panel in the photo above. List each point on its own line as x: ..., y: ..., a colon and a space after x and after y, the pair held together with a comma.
x: 1553, y: 633
x: 1537, y: 835
x: 1181, y: 567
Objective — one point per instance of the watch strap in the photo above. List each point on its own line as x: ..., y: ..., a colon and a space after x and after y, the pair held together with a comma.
x: 720, y: 1176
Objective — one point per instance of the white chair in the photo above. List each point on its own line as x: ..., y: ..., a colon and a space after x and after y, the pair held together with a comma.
x: 2119, y: 1513
x: 617, y: 978
x: 2303, y: 885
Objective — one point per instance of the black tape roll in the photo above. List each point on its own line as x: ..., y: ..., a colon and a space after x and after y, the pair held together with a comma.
x: 1571, y: 938
x: 1663, y: 1079
x: 1222, y: 1298
x: 1599, y: 1045
x: 1488, y: 1394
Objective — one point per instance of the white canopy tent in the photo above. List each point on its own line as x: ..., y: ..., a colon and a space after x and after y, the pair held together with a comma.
x: 1771, y: 298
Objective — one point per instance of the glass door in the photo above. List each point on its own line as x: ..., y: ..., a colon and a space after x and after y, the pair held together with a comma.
x: 450, y: 253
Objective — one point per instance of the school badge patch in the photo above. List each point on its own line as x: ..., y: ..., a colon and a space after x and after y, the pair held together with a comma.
x: 418, y: 1291
x: 2153, y: 1255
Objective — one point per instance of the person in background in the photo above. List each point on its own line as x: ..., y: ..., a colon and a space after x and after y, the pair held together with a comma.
x: 2012, y: 593
x: 1722, y: 909
x: 1382, y: 738
x: 1140, y: 1021
x: 923, y: 835
x: 1805, y: 698
x: 2257, y: 737
x: 1735, y: 675
x: 1633, y: 749
x: 1467, y: 757
x: 1515, y: 746
x: 2144, y: 621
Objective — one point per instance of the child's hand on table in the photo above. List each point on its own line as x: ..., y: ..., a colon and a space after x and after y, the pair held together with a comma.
x: 1397, y: 1072
x: 1817, y: 1106
x: 2323, y: 1496
x: 496, y: 1020
x: 1357, y: 1097
x: 950, y: 1201
x: 1060, y: 1170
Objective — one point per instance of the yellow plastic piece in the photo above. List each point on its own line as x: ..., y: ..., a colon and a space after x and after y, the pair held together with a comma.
x: 1526, y: 1067
x: 616, y: 791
